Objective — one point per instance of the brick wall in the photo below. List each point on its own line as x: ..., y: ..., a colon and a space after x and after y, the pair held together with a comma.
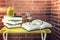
x: 26, y: 36
x: 2, y: 3
x: 22, y: 6
x: 2, y: 13
x: 38, y: 8
x: 23, y: 36
x: 55, y: 19
x: 1, y: 38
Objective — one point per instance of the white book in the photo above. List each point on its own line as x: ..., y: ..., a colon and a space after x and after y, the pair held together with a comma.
x: 12, y: 26
x: 12, y: 21
x: 12, y: 18
x: 30, y: 27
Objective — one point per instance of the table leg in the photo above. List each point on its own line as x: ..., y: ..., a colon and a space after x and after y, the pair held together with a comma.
x: 43, y: 36
x: 5, y: 36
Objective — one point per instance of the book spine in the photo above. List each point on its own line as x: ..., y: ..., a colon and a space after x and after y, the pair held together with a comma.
x: 12, y: 18
x: 11, y: 22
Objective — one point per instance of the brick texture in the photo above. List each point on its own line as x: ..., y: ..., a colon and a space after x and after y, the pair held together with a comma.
x: 55, y: 19
x: 2, y: 3
x: 2, y: 13
x: 27, y: 36
x: 37, y: 7
x: 1, y: 38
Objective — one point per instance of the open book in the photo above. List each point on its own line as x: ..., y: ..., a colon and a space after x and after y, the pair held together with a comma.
x: 36, y: 24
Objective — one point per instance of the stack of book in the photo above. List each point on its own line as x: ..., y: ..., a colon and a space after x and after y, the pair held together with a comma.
x: 11, y: 22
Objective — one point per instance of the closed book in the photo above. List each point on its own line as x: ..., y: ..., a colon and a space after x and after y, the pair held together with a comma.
x: 11, y: 25
x: 12, y: 21
x: 12, y: 18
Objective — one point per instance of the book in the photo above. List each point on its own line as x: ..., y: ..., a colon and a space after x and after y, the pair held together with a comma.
x: 12, y: 18
x: 36, y: 25
x: 12, y: 21
x: 11, y: 25
x: 30, y: 27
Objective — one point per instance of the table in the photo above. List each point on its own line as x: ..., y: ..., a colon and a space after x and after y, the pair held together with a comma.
x: 6, y: 31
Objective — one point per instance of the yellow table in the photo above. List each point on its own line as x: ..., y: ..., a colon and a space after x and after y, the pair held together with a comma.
x: 6, y: 31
